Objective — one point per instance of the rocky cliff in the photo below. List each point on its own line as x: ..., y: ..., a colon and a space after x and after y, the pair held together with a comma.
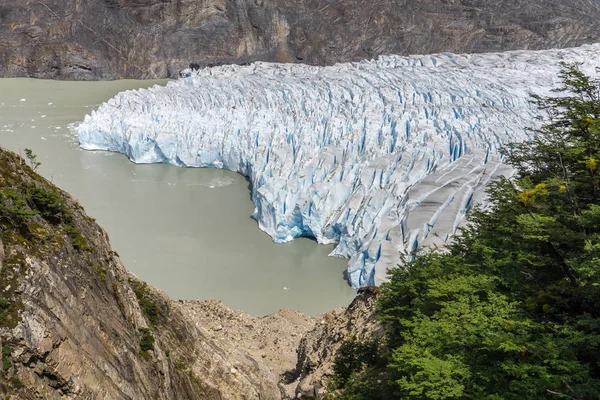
x: 75, y: 324
x: 108, y: 39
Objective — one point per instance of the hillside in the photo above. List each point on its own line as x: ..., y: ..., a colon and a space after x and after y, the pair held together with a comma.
x: 109, y: 39
x: 75, y: 324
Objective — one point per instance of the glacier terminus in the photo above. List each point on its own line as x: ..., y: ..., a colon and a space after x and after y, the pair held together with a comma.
x: 380, y: 157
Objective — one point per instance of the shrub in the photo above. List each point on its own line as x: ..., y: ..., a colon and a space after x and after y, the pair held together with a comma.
x: 6, y: 353
x: 149, y: 307
x: 353, y: 356
x: 147, y: 340
x: 50, y: 205
x: 77, y: 240
x: 13, y: 209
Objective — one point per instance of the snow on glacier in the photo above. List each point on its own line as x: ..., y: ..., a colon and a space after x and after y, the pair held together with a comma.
x: 379, y: 157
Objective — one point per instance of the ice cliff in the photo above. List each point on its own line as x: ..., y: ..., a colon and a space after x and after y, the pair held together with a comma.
x: 379, y: 157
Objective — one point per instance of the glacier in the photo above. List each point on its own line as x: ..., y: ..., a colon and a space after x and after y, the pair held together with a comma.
x: 380, y: 157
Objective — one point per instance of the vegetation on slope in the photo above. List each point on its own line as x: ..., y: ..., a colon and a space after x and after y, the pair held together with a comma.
x: 35, y: 221
x: 510, y: 310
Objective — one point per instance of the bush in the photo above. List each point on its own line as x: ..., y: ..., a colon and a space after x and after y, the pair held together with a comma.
x: 77, y: 240
x: 353, y: 356
x: 50, y: 205
x: 14, y: 210
x: 147, y: 340
x: 6, y: 354
x: 149, y: 307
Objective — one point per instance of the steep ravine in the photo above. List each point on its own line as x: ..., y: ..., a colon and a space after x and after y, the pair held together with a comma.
x: 75, y: 324
x: 110, y: 39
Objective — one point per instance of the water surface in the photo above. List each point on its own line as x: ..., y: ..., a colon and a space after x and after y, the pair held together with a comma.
x: 187, y: 231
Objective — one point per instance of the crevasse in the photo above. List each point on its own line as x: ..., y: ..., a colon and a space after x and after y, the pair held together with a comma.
x: 380, y: 157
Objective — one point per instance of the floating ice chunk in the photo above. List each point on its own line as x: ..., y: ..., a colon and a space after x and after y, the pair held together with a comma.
x: 22, y: 100
x: 219, y: 182
x: 380, y: 157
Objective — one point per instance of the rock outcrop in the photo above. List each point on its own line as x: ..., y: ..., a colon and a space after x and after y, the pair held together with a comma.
x: 319, y: 347
x: 109, y: 39
x: 75, y: 324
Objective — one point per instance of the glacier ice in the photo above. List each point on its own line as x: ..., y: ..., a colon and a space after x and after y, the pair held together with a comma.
x: 377, y: 156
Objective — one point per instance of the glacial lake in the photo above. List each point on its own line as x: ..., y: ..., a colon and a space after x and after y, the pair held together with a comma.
x: 187, y: 231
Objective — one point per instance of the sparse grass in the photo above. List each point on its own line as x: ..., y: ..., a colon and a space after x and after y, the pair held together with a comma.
x: 181, y: 364
x: 77, y: 240
x: 13, y: 269
x: 198, y: 382
x: 100, y: 271
x: 207, y: 392
x: 149, y: 307
x: 4, y: 311
x: 17, y: 384
x: 117, y: 295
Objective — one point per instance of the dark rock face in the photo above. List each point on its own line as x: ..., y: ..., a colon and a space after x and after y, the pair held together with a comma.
x: 108, y: 39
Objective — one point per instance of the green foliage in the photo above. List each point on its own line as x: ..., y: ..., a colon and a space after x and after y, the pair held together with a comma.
x: 149, y: 307
x: 52, y: 207
x: 5, y: 311
x: 146, y: 340
x: 14, y: 212
x: 13, y: 269
x: 76, y: 238
x: 32, y: 159
x: 512, y: 309
x: 50, y: 204
x: 6, y: 357
x: 146, y: 343
x: 17, y: 384
x: 354, y: 355
x: 181, y: 364
x: 198, y: 382
x: 100, y: 271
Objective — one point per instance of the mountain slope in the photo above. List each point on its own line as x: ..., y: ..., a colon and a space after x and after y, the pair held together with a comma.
x: 108, y: 39
x: 75, y: 324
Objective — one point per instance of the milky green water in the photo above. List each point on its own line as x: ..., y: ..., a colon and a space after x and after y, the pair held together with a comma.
x: 187, y: 231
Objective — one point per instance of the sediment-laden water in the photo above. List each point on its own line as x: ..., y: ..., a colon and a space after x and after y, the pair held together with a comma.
x: 187, y: 231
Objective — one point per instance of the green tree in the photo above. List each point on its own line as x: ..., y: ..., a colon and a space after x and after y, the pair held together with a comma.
x: 32, y: 159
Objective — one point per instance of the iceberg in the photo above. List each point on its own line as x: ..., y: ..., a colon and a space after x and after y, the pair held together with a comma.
x: 380, y: 157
